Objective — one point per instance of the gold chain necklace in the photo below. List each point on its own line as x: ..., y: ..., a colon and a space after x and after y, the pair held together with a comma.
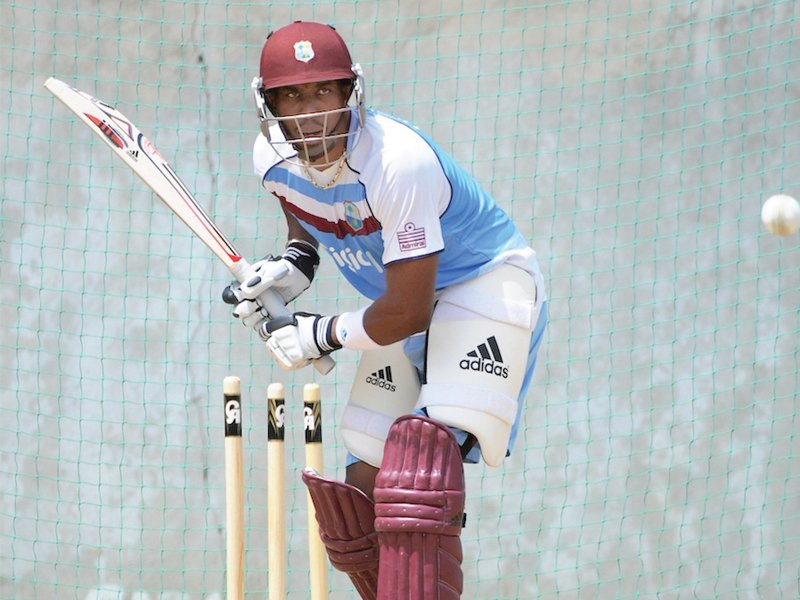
x: 332, y: 182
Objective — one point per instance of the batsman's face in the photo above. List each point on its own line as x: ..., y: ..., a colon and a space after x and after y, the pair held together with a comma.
x: 310, y: 114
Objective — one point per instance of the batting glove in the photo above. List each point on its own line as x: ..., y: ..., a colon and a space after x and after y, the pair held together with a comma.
x: 289, y: 275
x: 297, y: 339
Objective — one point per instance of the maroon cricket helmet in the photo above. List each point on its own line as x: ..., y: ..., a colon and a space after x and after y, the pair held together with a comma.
x: 304, y: 52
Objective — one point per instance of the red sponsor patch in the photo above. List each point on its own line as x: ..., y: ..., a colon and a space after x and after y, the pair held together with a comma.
x: 107, y: 130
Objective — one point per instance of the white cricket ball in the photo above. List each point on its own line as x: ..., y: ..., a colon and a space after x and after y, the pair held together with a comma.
x: 781, y: 215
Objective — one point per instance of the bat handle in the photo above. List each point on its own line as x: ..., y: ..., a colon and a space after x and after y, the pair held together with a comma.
x: 276, y: 308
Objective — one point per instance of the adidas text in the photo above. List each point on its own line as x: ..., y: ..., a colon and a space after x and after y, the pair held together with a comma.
x: 382, y: 378
x: 381, y: 383
x: 484, y: 366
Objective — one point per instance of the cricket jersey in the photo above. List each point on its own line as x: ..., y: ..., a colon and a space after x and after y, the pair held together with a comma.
x: 398, y: 197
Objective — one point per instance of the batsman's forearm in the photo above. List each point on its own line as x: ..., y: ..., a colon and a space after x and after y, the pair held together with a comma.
x: 372, y: 327
x: 387, y: 322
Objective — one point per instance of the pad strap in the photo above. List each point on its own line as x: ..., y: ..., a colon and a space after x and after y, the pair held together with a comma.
x: 419, y: 507
x: 346, y: 526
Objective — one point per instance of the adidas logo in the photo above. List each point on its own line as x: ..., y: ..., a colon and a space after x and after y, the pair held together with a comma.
x: 486, y: 358
x: 382, y: 378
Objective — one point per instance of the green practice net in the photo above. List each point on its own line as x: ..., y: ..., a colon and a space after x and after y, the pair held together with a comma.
x: 633, y: 142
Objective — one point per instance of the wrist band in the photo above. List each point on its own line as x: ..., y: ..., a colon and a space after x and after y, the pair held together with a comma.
x: 303, y: 255
x: 351, y: 333
x: 322, y: 335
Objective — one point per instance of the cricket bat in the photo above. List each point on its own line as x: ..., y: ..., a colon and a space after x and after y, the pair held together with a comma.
x: 139, y: 153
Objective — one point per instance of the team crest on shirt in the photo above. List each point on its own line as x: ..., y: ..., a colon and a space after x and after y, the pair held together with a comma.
x: 303, y: 51
x: 352, y: 217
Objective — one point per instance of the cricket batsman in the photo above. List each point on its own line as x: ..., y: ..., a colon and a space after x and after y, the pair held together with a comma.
x: 455, y: 311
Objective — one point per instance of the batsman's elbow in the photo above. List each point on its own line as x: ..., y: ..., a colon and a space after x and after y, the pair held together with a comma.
x: 420, y: 321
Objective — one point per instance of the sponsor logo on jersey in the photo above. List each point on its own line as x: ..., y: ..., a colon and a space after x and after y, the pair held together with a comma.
x: 486, y: 358
x: 382, y: 378
x: 303, y: 51
x: 411, y: 237
x: 354, y: 261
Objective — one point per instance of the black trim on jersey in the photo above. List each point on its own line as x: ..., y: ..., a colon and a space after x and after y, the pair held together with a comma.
x: 410, y: 258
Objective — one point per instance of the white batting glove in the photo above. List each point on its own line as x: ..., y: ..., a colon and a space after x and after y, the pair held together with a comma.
x: 289, y: 275
x: 297, y: 339
x: 251, y: 314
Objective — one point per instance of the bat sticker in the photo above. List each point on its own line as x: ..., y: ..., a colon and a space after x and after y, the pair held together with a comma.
x: 107, y: 130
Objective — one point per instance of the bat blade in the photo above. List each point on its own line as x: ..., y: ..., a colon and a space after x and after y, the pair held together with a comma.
x: 139, y: 153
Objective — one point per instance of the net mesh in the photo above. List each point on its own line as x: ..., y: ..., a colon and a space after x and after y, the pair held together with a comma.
x: 633, y: 143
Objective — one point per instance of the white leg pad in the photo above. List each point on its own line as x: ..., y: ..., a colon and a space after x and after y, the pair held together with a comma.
x: 477, y: 357
x: 385, y: 387
x: 481, y: 411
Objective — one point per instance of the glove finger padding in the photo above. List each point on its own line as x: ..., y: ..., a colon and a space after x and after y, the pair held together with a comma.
x: 288, y: 357
x: 346, y: 518
x: 251, y: 314
x: 231, y: 294
x: 291, y: 340
x: 419, y: 507
x: 289, y: 275
x: 297, y: 339
x: 263, y: 275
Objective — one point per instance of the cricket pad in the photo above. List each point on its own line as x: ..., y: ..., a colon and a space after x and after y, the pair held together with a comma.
x: 346, y: 518
x: 419, y: 507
